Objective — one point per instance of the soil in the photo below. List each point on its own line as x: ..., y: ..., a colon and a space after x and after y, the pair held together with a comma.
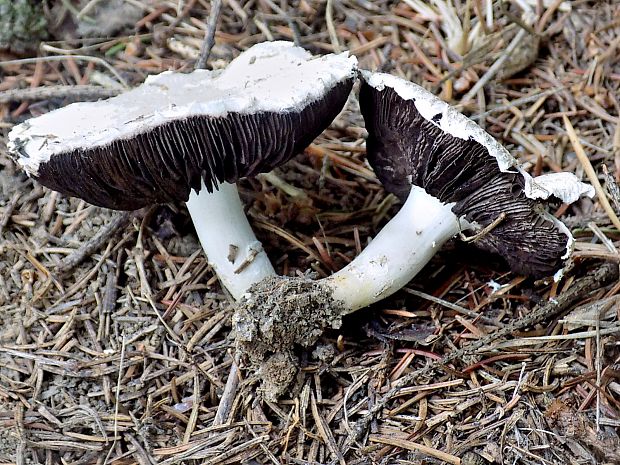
x: 278, y: 316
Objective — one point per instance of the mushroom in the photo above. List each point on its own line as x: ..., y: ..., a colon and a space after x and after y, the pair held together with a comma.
x: 454, y: 178
x: 198, y: 131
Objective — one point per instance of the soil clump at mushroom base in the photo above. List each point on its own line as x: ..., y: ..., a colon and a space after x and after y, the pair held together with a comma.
x: 277, y: 314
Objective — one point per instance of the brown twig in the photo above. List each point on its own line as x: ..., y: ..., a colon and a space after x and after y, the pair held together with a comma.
x: 228, y: 396
x: 96, y: 242
x: 78, y: 92
x: 209, y: 39
x: 8, y: 211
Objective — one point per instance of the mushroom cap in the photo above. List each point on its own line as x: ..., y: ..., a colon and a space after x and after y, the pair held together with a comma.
x: 156, y: 142
x: 414, y: 138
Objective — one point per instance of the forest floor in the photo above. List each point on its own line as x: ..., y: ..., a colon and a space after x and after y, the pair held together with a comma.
x: 116, y: 348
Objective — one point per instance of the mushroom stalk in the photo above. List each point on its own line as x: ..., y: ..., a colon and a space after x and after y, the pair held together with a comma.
x: 400, y: 250
x: 227, y: 239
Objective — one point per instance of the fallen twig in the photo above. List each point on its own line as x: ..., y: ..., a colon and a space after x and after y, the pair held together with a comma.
x: 78, y: 92
x: 228, y: 396
x: 95, y: 243
x: 209, y: 40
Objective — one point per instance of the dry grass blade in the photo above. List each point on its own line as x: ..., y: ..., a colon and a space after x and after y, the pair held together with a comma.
x: 494, y: 69
x: 325, y: 432
x: 592, y: 176
x: 409, y: 445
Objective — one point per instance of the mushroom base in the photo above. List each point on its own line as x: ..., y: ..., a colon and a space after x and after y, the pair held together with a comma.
x: 277, y: 315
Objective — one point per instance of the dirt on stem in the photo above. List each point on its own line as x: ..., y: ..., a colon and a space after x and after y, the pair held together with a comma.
x: 276, y: 316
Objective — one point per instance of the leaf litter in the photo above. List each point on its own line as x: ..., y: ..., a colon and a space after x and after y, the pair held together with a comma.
x: 119, y: 348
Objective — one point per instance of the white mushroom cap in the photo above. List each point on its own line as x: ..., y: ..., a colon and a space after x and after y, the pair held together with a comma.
x: 196, y: 123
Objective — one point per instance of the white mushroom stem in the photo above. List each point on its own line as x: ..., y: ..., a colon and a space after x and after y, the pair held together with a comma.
x: 227, y: 239
x: 400, y: 250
